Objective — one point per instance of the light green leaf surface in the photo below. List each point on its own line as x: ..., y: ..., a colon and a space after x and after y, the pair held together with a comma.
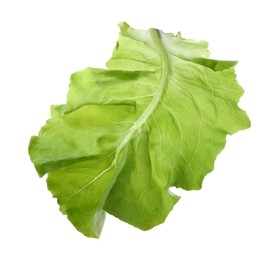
x: 157, y: 117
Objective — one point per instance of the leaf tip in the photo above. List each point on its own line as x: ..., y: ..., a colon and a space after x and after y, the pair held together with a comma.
x: 123, y: 26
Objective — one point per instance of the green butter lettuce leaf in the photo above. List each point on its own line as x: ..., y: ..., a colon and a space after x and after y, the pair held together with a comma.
x: 156, y: 118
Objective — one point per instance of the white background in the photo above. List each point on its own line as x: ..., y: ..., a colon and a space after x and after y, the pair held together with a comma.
x: 43, y: 42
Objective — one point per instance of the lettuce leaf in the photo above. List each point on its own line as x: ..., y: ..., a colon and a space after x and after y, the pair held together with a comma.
x: 157, y: 117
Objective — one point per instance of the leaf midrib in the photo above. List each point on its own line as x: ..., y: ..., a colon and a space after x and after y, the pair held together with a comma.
x: 155, y: 36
